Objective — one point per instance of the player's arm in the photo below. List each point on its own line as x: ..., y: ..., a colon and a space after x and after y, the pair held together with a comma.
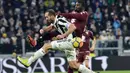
x: 93, y: 44
x: 47, y: 29
x: 71, y: 29
x: 90, y: 33
x: 79, y: 16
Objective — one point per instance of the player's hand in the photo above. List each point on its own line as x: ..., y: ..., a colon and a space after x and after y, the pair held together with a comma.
x: 60, y: 36
x: 41, y: 31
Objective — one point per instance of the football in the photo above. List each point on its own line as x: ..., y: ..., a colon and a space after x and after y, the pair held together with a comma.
x: 77, y: 42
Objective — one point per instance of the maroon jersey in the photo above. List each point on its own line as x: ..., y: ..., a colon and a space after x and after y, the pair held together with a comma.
x: 84, y: 50
x: 86, y: 39
x: 79, y: 19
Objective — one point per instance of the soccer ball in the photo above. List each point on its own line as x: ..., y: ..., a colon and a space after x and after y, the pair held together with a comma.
x: 77, y: 42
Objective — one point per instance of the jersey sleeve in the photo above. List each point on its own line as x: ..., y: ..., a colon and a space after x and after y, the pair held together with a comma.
x: 80, y: 16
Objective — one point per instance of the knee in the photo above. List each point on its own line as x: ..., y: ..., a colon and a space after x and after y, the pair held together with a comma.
x: 87, y: 65
x: 74, y: 65
x: 47, y: 46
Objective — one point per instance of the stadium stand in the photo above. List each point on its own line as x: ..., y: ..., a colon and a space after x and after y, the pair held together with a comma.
x: 109, y: 20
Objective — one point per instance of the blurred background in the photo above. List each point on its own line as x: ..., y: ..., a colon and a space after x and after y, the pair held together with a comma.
x: 108, y: 19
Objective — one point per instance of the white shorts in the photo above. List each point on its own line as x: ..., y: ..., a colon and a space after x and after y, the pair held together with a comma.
x: 70, y: 55
x: 65, y: 45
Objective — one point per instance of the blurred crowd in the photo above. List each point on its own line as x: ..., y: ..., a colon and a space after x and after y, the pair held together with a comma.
x: 108, y: 19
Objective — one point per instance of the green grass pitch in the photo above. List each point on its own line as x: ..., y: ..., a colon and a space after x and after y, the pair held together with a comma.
x: 99, y: 71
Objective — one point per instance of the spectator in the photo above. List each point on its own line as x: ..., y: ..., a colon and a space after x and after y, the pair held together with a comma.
x: 118, y: 33
x: 5, y: 39
x: 116, y: 23
x: 33, y: 15
x: 36, y: 27
x: 98, y: 15
x: 128, y: 7
x: 14, y: 40
x: 11, y: 22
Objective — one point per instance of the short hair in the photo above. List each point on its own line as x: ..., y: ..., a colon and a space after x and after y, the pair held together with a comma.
x: 82, y: 2
x: 51, y: 12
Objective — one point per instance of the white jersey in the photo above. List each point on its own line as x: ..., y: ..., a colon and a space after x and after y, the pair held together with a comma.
x: 61, y: 24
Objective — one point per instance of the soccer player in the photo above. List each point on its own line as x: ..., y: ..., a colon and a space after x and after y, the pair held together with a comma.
x: 66, y: 29
x: 84, y: 51
x: 79, y: 17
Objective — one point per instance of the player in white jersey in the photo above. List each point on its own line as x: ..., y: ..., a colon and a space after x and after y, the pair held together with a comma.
x: 66, y: 29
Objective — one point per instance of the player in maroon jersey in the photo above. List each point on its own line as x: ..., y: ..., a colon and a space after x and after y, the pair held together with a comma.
x: 79, y: 17
x: 83, y: 52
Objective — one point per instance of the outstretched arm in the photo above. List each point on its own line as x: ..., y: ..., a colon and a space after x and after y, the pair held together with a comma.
x: 79, y: 16
x: 70, y: 30
x: 46, y: 29
x: 93, y: 44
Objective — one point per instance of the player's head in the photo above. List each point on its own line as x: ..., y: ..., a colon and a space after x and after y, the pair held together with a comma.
x: 79, y: 6
x: 50, y: 16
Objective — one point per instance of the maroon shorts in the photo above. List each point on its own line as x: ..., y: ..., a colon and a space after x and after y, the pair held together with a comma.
x: 82, y: 55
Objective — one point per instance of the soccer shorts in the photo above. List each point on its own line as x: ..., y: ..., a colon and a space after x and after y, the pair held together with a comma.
x: 81, y: 56
x: 65, y: 45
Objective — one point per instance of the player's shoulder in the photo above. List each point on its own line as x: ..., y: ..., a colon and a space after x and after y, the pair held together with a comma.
x: 60, y: 17
x: 89, y: 32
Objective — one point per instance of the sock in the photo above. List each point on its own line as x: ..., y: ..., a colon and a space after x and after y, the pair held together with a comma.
x: 37, y: 54
x: 70, y: 70
x: 84, y: 69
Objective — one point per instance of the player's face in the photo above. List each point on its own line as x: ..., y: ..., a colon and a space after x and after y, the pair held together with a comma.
x: 48, y: 18
x: 78, y: 7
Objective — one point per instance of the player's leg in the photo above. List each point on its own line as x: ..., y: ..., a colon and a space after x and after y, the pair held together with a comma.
x: 71, y: 57
x: 86, y: 61
x: 54, y: 45
x: 70, y: 70
x: 38, y: 54
x: 81, y: 68
x: 31, y: 41
x: 80, y: 58
x: 45, y: 36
